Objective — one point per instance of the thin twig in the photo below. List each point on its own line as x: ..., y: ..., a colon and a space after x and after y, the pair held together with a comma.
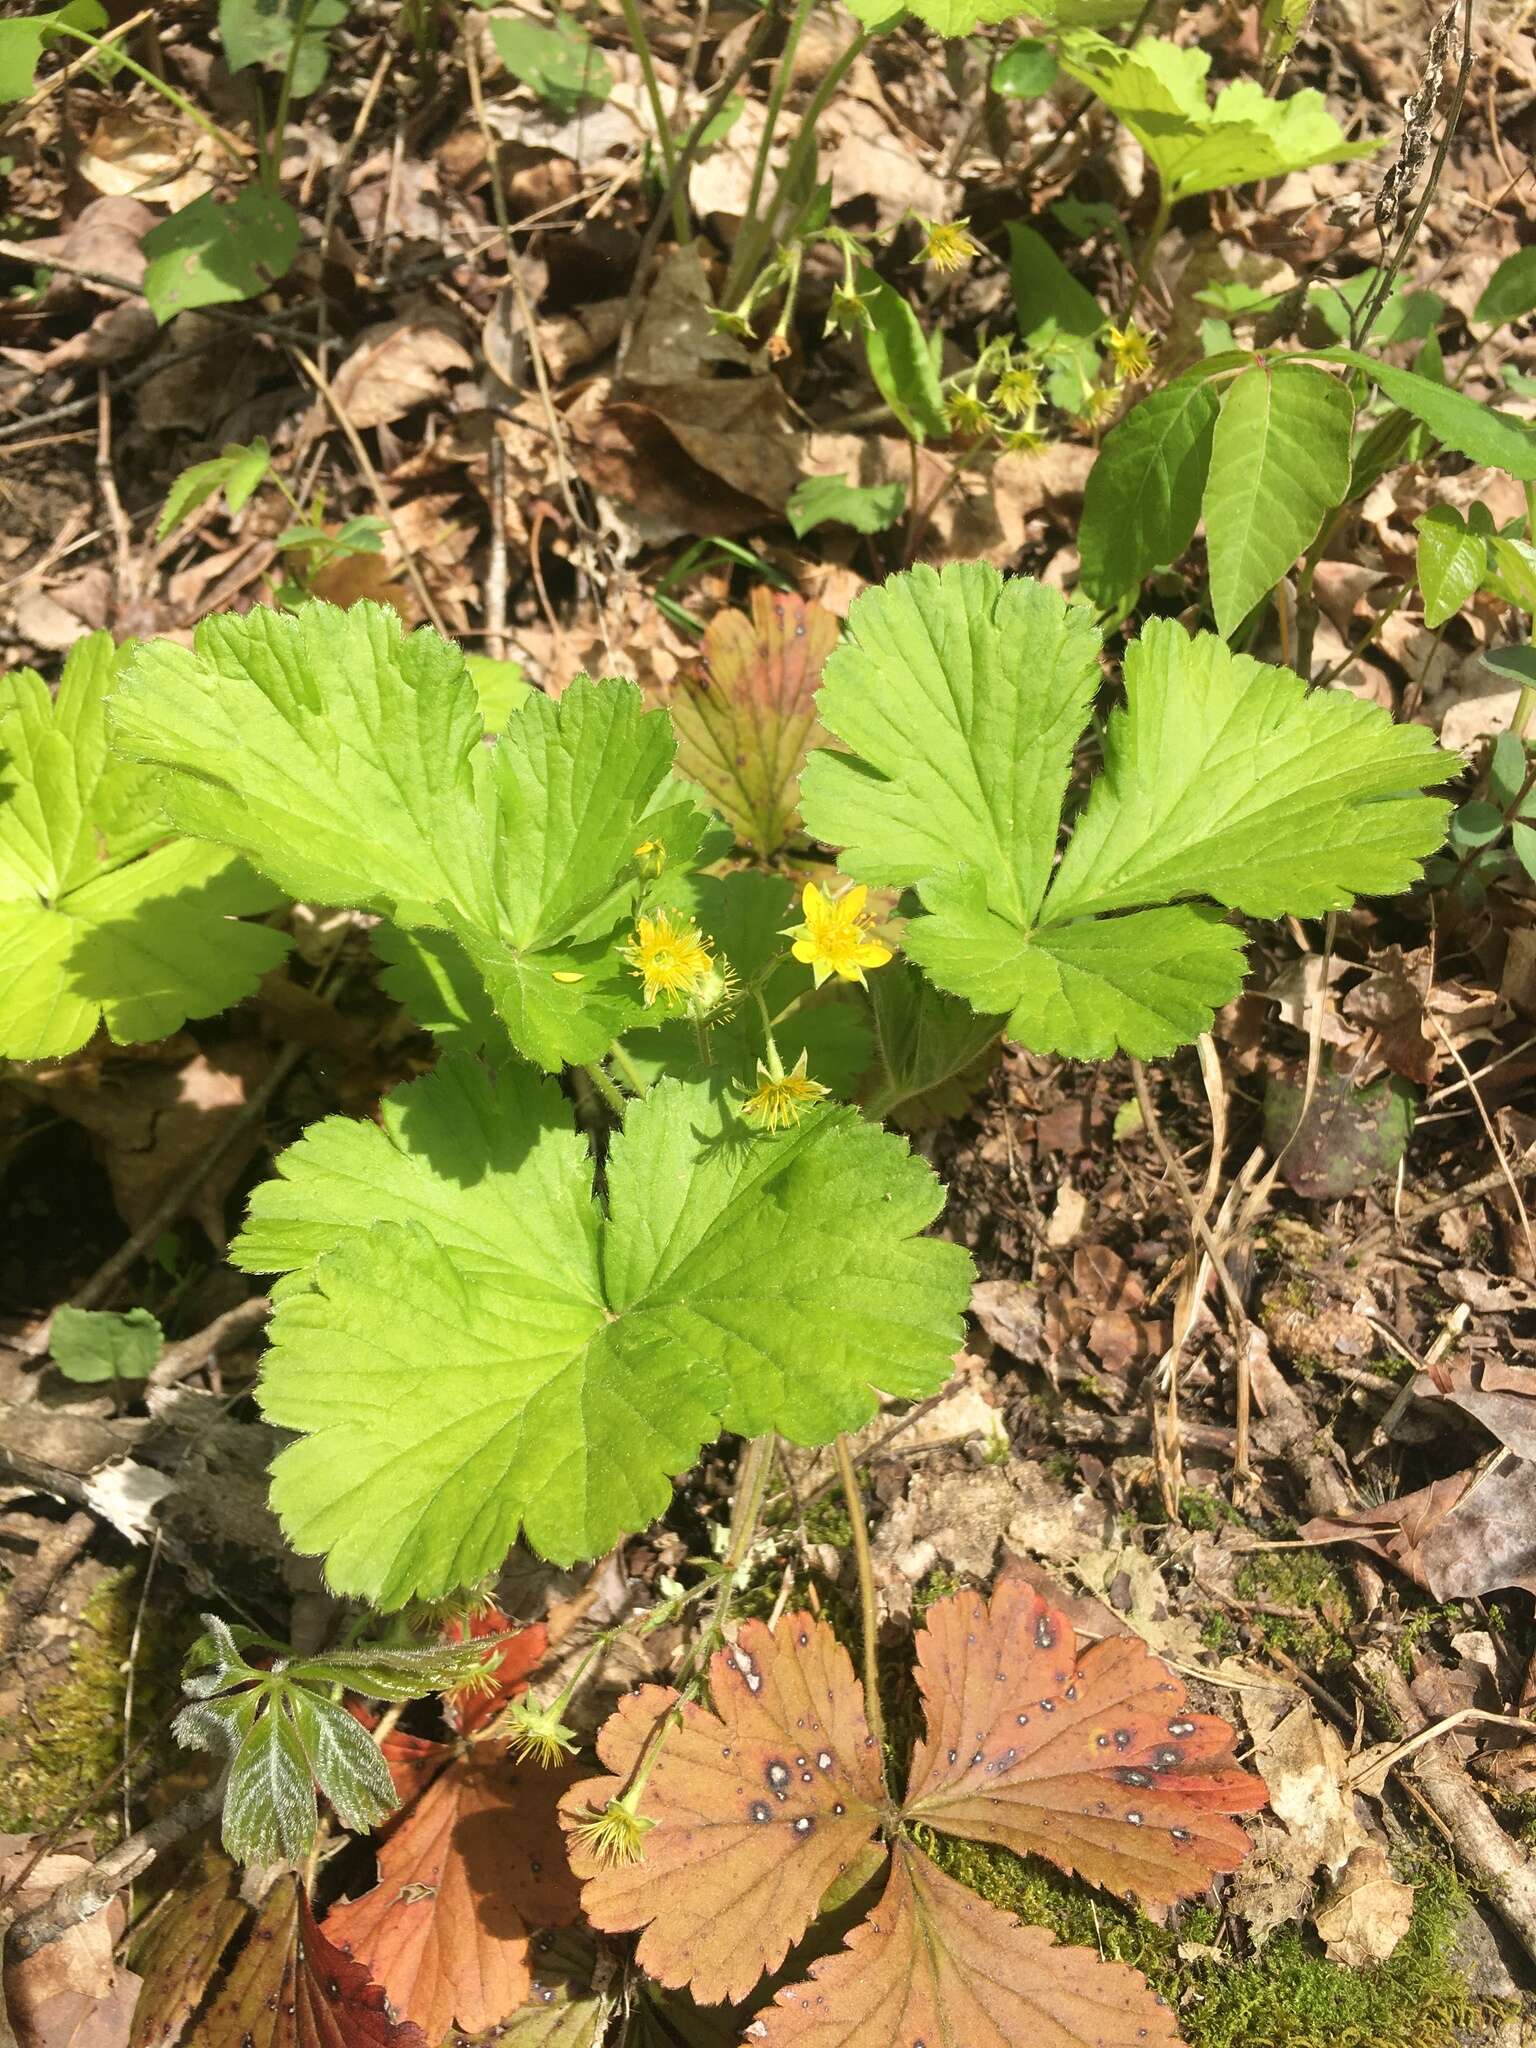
x: 869, y: 1612
x: 178, y: 1362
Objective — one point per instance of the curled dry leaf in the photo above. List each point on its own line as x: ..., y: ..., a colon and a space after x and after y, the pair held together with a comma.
x: 747, y: 714
x: 758, y: 1807
x: 289, y: 1988
x: 934, y: 1964
x: 1091, y: 1760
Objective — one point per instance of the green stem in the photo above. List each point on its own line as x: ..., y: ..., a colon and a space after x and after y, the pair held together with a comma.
x: 177, y: 99
x: 664, y: 138
x: 604, y: 1085
x: 633, y: 1079
x: 754, y: 236
x: 274, y: 160
x: 869, y: 1613
x: 1154, y: 235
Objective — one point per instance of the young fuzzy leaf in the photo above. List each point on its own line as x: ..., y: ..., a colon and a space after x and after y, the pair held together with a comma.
x: 758, y: 1805
x: 236, y: 471
x: 961, y: 697
x: 934, y: 1963
x: 291, y: 1988
x: 467, y: 1875
x: 746, y: 716
x: 483, y: 1348
x: 93, y: 926
x: 1142, y: 501
x: 1279, y: 463
x: 345, y: 758
x: 1157, y: 88
x: 1091, y: 1760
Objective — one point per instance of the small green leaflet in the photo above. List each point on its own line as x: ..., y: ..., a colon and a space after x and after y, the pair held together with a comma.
x: 92, y: 1346
x: 1024, y: 72
x: 96, y: 920
x: 484, y: 1348
x: 1158, y: 89
x: 901, y: 360
x: 346, y: 759
x: 1452, y: 559
x: 962, y: 696
x: 263, y: 31
x: 557, y: 63
x: 833, y: 501
x: 1142, y: 502
x: 1279, y: 463
x: 1511, y: 291
x: 216, y: 252
x: 22, y: 43
x: 236, y: 471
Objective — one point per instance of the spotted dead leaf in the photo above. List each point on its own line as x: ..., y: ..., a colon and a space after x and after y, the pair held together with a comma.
x: 289, y: 1988
x: 182, y: 1946
x: 747, y: 715
x: 758, y: 1807
x: 471, y: 1870
x: 1091, y: 1760
x: 934, y: 1964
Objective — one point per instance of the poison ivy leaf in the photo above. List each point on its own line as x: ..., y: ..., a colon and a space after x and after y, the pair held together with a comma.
x: 23, y: 41
x: 1142, y: 502
x: 290, y: 1988
x: 1452, y: 561
x: 934, y: 1963
x: 236, y: 471
x: 745, y: 717
x: 345, y: 758
x: 472, y: 1868
x: 558, y: 63
x: 758, y: 1805
x: 900, y: 358
x: 91, y: 924
x: 934, y: 1051
x: 1511, y: 291
x: 1090, y: 1759
x: 577, y: 1357
x: 1157, y: 88
x: 1480, y: 432
x: 91, y: 1346
x: 1514, y: 571
x: 216, y: 252
x: 961, y: 697
x: 833, y: 501
x: 1279, y: 463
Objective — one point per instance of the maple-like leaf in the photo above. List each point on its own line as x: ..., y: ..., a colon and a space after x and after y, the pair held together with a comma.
x: 1093, y: 1761
x: 472, y: 1869
x: 746, y: 717
x: 290, y: 1988
x: 934, y: 1964
x: 758, y: 1806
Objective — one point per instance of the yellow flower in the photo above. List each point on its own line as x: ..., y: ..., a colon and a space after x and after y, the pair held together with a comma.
x: 1131, y: 352
x: 948, y: 244
x: 834, y: 938
x: 780, y: 1098
x: 537, y: 1734
x: 615, y: 1834
x: 1025, y: 441
x: 1018, y: 390
x: 671, y: 959
x: 650, y: 856
x: 966, y: 414
x: 1100, y: 406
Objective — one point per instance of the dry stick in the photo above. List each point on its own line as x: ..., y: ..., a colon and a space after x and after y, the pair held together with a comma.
x: 106, y: 485
x: 1493, y: 1136
x: 28, y: 1591
x: 354, y: 440
x: 496, y: 561
x: 338, y: 180
x: 178, y: 1362
x: 869, y: 1613
x: 1488, y: 1852
x: 83, y: 1897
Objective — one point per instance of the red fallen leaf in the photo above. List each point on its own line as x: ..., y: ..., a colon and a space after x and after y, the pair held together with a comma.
x: 289, y: 1988
x: 746, y: 718
x: 1093, y: 1761
x: 933, y: 1964
x: 473, y: 1707
x: 468, y: 1873
x: 758, y: 1807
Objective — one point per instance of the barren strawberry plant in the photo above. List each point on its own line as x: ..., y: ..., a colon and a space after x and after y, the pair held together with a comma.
x: 743, y: 1021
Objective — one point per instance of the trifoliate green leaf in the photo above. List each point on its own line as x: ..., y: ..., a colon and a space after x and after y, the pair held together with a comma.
x: 91, y: 924
x: 345, y: 758
x: 962, y: 696
x: 1452, y: 559
x: 484, y: 1348
x: 1157, y: 88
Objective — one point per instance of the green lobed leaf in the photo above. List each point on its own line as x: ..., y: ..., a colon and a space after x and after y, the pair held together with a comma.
x: 1158, y: 89
x: 1279, y: 463
x: 345, y: 758
x: 1142, y: 502
x: 93, y: 1346
x: 900, y: 359
x: 218, y: 252
x: 482, y: 1348
x: 833, y: 501
x: 960, y: 17
x: 961, y: 696
x: 93, y: 926
x: 1452, y: 561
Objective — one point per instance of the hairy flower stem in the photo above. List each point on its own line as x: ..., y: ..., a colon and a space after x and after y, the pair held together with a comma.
x: 869, y: 1617
x: 756, y: 232
x: 664, y: 137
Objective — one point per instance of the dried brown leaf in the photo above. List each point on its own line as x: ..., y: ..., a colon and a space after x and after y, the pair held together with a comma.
x: 182, y: 1948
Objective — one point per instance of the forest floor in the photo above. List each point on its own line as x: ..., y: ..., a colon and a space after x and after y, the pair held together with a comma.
x: 1310, y: 1484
